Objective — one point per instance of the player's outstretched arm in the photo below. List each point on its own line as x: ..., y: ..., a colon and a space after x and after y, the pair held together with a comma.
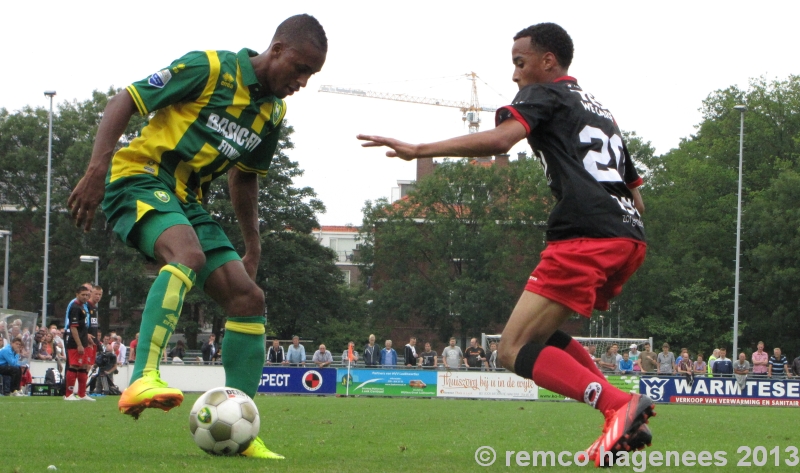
x: 90, y: 189
x: 243, y: 187
x: 486, y: 143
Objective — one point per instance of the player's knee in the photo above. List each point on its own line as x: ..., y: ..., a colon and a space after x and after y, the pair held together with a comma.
x: 249, y: 301
x: 507, y: 354
x: 193, y: 258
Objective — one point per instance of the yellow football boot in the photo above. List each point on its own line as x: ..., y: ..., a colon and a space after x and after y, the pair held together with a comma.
x: 257, y: 449
x: 149, y: 391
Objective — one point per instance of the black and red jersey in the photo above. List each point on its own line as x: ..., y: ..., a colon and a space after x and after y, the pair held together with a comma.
x: 76, y: 317
x: 587, y: 165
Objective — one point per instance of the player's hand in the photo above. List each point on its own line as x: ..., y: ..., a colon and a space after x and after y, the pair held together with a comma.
x: 85, y: 198
x: 250, y: 263
x: 405, y: 151
x: 80, y: 350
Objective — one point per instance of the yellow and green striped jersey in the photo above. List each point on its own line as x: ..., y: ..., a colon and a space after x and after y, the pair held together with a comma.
x: 210, y: 114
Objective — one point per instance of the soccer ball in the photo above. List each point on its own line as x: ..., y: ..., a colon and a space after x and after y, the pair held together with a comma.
x: 224, y: 421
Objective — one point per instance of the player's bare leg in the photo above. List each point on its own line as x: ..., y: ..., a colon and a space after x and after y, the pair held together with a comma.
x: 179, y: 250
x: 532, y: 344
x: 243, y: 348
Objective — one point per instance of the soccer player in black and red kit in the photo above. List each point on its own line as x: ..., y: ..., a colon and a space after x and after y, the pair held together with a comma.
x: 595, y: 234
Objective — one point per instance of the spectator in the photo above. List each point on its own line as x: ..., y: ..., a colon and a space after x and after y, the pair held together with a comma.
x: 684, y: 353
x: 346, y: 358
x: 740, y: 370
x: 132, y: 349
x: 633, y: 355
x: 608, y: 361
x: 297, y: 353
x: 388, y: 355
x: 122, y: 352
x: 9, y: 366
x: 493, y: 361
x: 760, y: 360
x: 410, y: 352
x: 322, y: 357
x: 37, y: 345
x: 723, y: 365
x: 47, y: 349
x: 625, y: 365
x: 648, y: 360
x: 275, y: 354
x: 795, y: 368
x: 452, y: 355
x: 592, y: 350
x: 372, y: 354
x: 178, y: 354
x: 428, y: 357
x: 711, y: 360
x: 666, y: 360
x: 699, y: 367
x: 686, y: 366
x: 475, y: 356
x: 209, y: 350
x: 777, y: 364
x: 615, y: 351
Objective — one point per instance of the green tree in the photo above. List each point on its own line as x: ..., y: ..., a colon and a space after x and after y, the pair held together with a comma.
x: 691, y: 199
x: 23, y: 168
x: 457, y: 251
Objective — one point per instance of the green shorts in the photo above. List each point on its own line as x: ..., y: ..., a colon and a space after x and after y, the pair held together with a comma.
x: 141, y: 207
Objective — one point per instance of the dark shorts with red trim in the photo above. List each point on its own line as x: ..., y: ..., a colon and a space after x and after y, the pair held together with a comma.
x: 76, y: 358
x: 584, y: 274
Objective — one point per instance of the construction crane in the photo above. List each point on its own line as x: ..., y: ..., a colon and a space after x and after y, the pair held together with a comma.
x: 470, y: 111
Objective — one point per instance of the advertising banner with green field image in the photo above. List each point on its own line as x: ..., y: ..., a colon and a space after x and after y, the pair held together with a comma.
x: 386, y: 382
x: 626, y: 383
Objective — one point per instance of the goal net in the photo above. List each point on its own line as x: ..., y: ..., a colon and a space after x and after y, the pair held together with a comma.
x: 600, y: 344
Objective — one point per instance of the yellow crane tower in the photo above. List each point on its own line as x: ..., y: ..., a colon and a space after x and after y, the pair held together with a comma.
x: 470, y: 111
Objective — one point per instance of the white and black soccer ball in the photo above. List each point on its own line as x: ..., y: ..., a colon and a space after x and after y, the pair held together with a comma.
x: 224, y: 421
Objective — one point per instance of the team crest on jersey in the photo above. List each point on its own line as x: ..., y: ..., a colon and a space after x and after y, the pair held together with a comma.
x: 160, y: 78
x: 227, y: 80
x: 277, y: 111
x: 162, y: 196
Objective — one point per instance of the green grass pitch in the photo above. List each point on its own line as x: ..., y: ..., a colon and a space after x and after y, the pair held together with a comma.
x: 329, y: 434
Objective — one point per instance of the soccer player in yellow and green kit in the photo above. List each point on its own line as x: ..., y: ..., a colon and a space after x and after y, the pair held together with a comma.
x: 214, y: 112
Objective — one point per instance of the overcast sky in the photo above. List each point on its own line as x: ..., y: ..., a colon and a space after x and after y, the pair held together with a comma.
x: 650, y: 63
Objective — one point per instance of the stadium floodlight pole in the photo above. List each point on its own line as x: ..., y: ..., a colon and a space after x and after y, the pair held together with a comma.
x: 7, y: 235
x: 51, y: 94
x: 96, y: 261
x: 741, y: 109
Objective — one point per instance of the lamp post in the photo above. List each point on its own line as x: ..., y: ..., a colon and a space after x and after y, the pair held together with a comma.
x: 741, y: 109
x: 7, y: 235
x: 51, y: 94
x: 96, y: 261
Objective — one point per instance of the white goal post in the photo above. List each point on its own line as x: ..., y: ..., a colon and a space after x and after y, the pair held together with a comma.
x: 600, y: 343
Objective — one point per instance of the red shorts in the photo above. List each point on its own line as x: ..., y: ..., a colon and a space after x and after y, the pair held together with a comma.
x: 584, y: 274
x: 76, y: 358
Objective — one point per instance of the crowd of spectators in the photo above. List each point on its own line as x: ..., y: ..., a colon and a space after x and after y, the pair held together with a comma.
x: 372, y: 355
x: 758, y: 364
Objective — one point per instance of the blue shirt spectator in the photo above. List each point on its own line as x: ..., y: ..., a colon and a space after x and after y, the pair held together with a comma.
x: 388, y: 355
x: 296, y: 355
x: 8, y: 357
x: 625, y: 365
x: 723, y: 365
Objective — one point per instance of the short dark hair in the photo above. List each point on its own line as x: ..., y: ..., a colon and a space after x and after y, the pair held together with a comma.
x: 82, y: 289
x: 550, y: 38
x: 299, y: 28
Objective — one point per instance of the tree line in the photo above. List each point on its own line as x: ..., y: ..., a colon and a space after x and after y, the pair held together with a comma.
x: 458, y: 250
x: 304, y: 290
